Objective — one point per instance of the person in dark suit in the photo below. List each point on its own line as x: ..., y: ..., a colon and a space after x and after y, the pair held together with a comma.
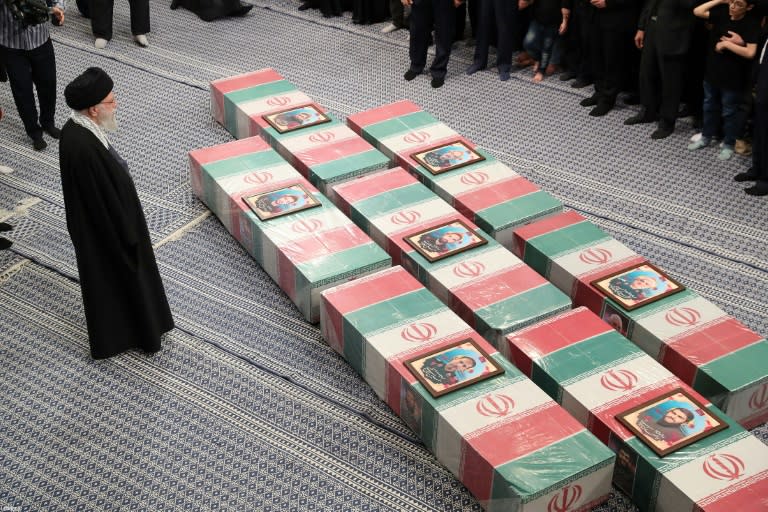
x: 664, y: 33
x: 427, y: 15
x: 759, y: 170
x: 613, y: 24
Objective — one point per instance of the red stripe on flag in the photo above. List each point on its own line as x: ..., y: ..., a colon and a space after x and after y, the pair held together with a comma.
x: 713, y: 341
x: 321, y: 243
x: 752, y: 497
x: 520, y: 436
x: 367, y: 291
x: 548, y: 225
x: 332, y: 151
x: 371, y: 185
x: 559, y: 332
x: 496, y: 193
x: 234, y: 83
x: 229, y: 150
x: 358, y: 121
x: 494, y: 288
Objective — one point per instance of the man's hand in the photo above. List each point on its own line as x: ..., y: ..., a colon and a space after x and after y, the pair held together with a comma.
x: 457, y: 3
x: 563, y: 26
x: 58, y: 15
x: 600, y: 4
x: 407, y: 3
x: 639, y: 39
x: 720, y: 46
x: 734, y: 38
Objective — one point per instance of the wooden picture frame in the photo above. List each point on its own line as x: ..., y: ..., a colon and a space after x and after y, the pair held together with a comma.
x: 444, y: 240
x: 671, y: 421
x: 638, y: 285
x: 453, y: 367
x: 447, y: 157
x: 278, y: 202
x: 296, y: 118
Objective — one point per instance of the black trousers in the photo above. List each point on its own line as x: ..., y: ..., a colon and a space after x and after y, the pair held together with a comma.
x: 661, y: 79
x: 33, y: 68
x: 497, y: 17
x: 101, y: 17
x: 426, y: 15
x: 609, y: 62
x: 760, y: 138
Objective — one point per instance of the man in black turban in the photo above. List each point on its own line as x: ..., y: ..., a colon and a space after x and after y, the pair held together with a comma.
x: 123, y: 295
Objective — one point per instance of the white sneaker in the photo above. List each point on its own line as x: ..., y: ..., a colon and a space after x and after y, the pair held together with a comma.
x: 4, y: 169
x: 390, y: 28
x: 141, y: 40
x: 100, y: 43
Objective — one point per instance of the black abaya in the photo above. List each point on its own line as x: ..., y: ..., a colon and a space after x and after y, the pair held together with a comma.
x: 123, y: 295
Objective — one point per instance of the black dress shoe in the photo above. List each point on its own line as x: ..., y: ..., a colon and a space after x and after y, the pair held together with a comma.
x: 175, y: 4
x: 437, y: 82
x: 304, y: 6
x: 411, y: 74
x: 760, y: 189
x: 662, y: 132
x: 567, y: 75
x: 631, y: 98
x: 589, y: 102
x: 600, y: 110
x: 54, y: 132
x: 580, y: 83
x: 749, y: 175
x: 39, y: 144
x: 5, y: 243
x: 242, y: 10
x: 640, y: 118
x: 4, y: 226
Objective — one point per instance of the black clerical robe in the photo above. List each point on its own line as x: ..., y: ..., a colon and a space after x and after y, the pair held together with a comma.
x: 123, y: 295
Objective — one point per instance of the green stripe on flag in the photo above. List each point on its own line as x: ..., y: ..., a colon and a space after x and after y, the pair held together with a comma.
x: 518, y: 211
x: 395, y: 311
x: 521, y: 310
x: 347, y: 167
x: 737, y: 369
x: 406, y: 123
x: 232, y: 99
x: 562, y: 240
x: 241, y: 163
x: 539, y: 472
x: 589, y: 356
x: 393, y: 201
x: 340, y: 265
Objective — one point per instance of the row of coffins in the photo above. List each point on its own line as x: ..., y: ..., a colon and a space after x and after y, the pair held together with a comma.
x: 711, y: 351
x: 393, y: 209
x: 489, y: 287
x: 303, y: 242
x: 509, y: 443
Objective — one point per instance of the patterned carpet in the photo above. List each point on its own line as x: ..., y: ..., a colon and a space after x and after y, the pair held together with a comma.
x: 246, y: 408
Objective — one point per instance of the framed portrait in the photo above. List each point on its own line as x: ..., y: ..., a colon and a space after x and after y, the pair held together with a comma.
x: 282, y: 201
x: 447, y: 157
x: 444, y: 240
x: 637, y: 286
x: 670, y: 421
x: 453, y: 367
x: 613, y: 317
x: 296, y: 118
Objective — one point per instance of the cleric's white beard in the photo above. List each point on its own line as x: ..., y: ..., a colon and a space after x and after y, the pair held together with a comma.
x: 107, y: 120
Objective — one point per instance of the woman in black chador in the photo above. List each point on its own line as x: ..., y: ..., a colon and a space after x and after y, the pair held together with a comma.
x: 209, y: 10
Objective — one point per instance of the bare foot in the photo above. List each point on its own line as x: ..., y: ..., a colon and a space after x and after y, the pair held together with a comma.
x: 538, y: 77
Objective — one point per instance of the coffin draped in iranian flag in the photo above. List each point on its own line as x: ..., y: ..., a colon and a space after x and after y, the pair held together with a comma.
x: 503, y: 438
x: 595, y: 374
x: 325, y: 153
x: 303, y: 252
x: 489, y: 193
x: 709, y: 350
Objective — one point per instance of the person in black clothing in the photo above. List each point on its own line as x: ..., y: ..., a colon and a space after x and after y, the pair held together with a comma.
x: 123, y: 295
x: 728, y: 70
x: 500, y: 15
x: 663, y: 34
x: 209, y: 10
x: 427, y: 15
x: 759, y: 170
x: 4, y: 226
x: 612, y: 26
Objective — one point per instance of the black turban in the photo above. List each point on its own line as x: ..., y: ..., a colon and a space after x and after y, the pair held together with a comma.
x: 88, y: 89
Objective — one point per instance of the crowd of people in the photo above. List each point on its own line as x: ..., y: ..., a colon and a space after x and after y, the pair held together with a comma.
x: 675, y: 58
